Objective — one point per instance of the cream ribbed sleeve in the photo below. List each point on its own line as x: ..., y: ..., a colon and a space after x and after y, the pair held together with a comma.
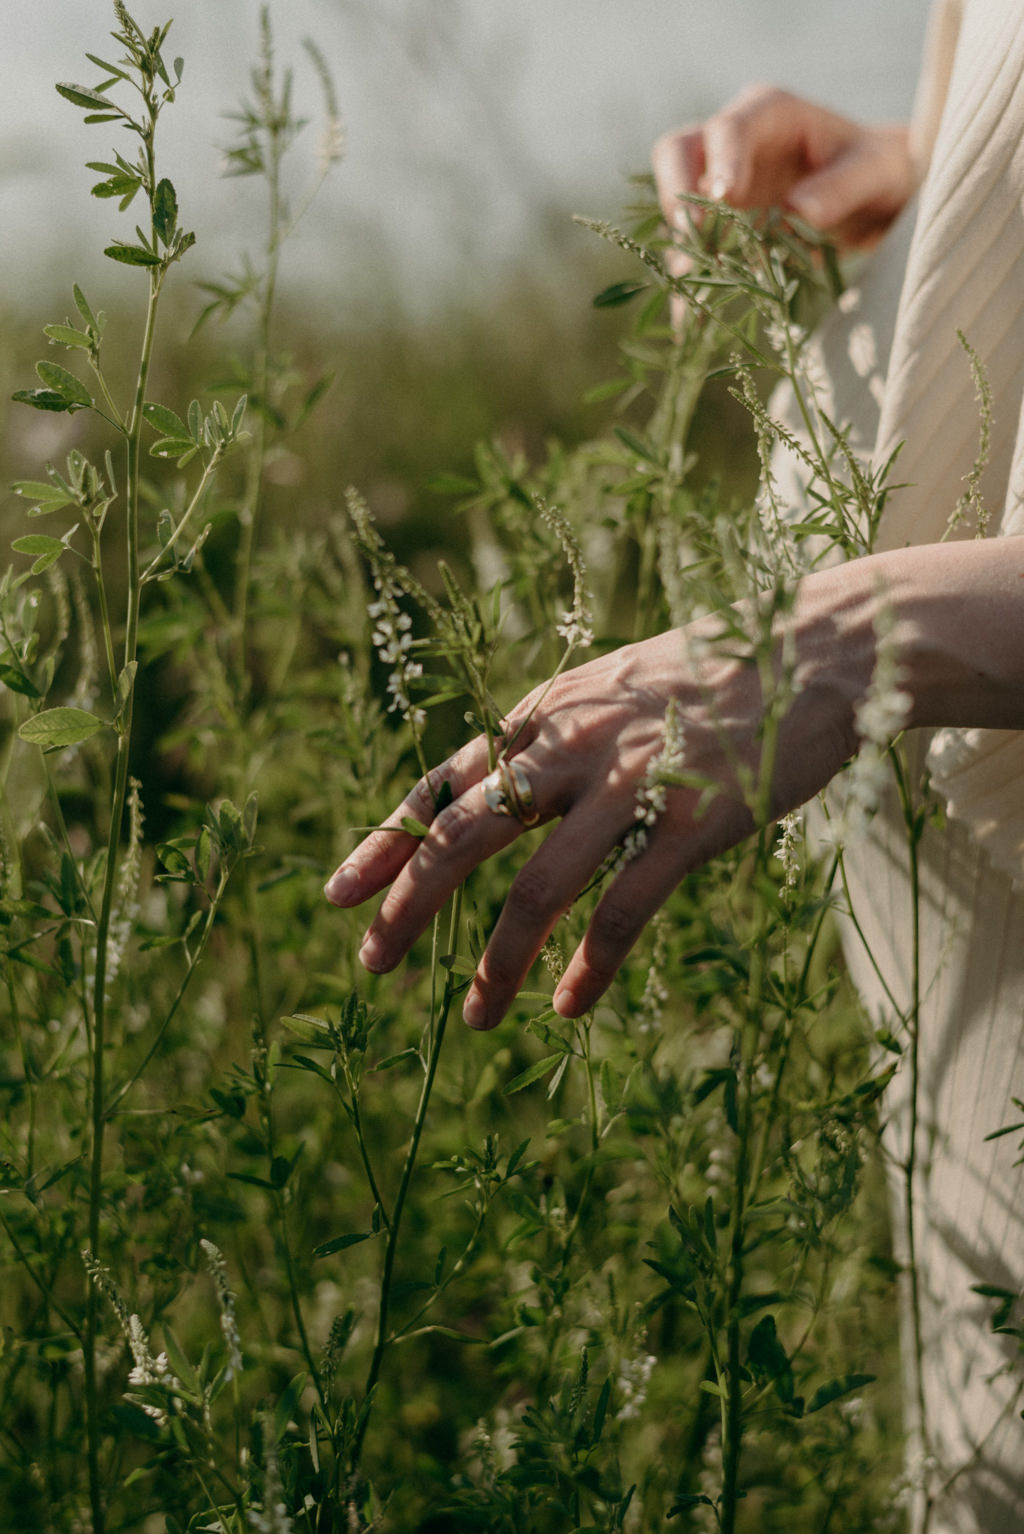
x: 965, y: 272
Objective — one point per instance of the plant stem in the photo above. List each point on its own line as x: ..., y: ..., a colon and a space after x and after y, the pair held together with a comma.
x: 97, y: 1106
x: 913, y: 1022
x: 393, y: 1228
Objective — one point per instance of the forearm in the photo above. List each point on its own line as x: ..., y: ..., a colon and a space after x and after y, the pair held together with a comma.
x: 957, y: 628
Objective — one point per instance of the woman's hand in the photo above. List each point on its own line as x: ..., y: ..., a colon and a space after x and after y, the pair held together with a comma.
x: 585, y: 747
x: 770, y: 149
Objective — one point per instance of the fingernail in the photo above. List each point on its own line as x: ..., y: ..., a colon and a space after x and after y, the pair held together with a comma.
x: 474, y: 1010
x: 565, y: 1003
x: 808, y: 207
x: 342, y: 887
x: 718, y: 187
x: 371, y: 954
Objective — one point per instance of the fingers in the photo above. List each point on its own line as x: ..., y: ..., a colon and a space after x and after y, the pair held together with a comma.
x: 379, y: 859
x: 677, y: 846
x: 679, y: 166
x: 756, y: 147
x: 858, y: 194
x: 461, y: 837
x: 770, y: 148
x: 538, y: 896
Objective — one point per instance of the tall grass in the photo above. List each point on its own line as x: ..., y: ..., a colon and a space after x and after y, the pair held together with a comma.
x: 282, y: 1248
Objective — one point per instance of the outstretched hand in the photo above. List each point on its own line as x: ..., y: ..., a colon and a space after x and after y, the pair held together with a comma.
x: 585, y: 747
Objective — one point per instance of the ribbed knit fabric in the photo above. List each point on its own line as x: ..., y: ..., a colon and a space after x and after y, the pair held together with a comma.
x: 965, y: 272
x: 898, y: 375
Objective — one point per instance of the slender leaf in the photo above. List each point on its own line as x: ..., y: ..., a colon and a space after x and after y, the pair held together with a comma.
x: 533, y: 1073
x: 132, y: 255
x: 82, y: 96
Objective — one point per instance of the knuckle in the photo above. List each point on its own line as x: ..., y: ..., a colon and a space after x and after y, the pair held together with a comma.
x: 614, y: 926
x: 532, y: 896
x: 420, y: 801
x: 759, y: 97
x: 450, y: 828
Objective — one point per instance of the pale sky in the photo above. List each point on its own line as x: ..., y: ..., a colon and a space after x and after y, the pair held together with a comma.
x: 463, y: 116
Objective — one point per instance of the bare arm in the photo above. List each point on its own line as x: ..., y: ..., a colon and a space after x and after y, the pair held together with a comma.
x: 959, y: 636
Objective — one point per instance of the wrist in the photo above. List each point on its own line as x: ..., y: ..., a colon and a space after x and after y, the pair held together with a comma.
x: 953, y: 615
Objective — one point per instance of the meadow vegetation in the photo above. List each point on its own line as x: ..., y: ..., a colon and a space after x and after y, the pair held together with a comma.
x: 283, y: 1246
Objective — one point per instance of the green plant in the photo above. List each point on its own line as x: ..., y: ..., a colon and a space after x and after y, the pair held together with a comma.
x: 346, y: 1267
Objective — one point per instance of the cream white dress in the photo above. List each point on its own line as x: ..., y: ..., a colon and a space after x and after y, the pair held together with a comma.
x: 898, y: 374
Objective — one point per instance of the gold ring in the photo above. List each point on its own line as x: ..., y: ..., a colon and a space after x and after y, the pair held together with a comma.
x: 507, y: 791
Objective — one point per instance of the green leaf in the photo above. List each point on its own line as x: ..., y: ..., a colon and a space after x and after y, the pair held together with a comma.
x: 178, y: 1359
x: 608, y: 390
x: 165, y: 210
x: 768, y: 1360
x: 64, y: 383
x: 82, y: 96
x: 843, y: 1386
x: 532, y: 1073
x: 82, y: 305
x: 637, y: 445
x: 688, y: 1501
x: 339, y: 1244
x: 56, y: 727
x: 108, y: 68
x: 42, y: 491
x: 16, y: 681
x: 123, y: 694
x: 46, y: 551
x: 43, y: 399
x: 455, y: 964
x: 182, y: 448
x: 118, y: 186
x: 38, y: 543
x: 66, y: 335
x: 453, y: 484
x: 414, y: 827
x: 132, y: 255
x: 618, y: 293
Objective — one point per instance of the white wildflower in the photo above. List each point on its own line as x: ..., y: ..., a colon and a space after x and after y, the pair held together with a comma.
x: 719, y: 1169
x: 577, y: 625
x: 226, y: 1303
x: 791, y: 828
x: 878, y: 718
x: 126, y: 907
x: 332, y: 142
x: 655, y: 996
x: 392, y: 628
x: 633, y: 1381
x: 709, y: 1482
x: 148, y: 1370
x: 272, y: 1516
x: 784, y: 337
x: 652, y: 792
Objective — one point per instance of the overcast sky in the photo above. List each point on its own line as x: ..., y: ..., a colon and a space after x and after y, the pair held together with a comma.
x: 463, y: 116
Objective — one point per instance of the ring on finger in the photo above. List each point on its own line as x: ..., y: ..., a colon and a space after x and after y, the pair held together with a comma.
x: 507, y: 791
